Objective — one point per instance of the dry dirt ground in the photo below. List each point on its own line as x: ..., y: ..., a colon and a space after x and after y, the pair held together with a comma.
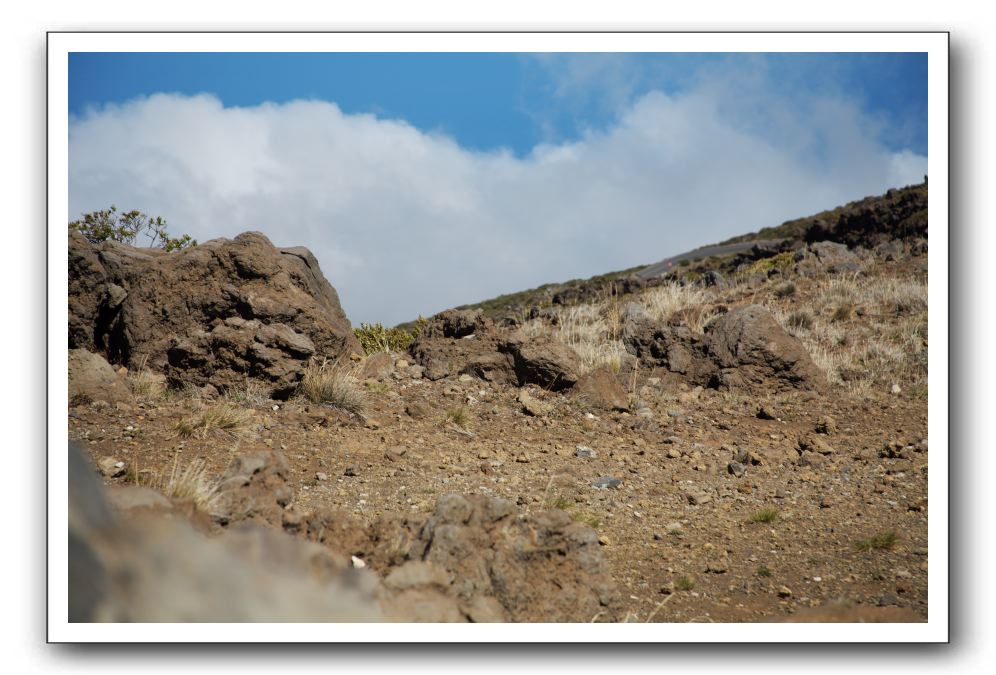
x: 835, y: 533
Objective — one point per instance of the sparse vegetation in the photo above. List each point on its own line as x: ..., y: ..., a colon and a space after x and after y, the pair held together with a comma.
x: 786, y: 290
x: 127, y: 228
x: 376, y: 338
x: 781, y: 262
x: 251, y: 393
x: 191, y: 484
x: 765, y: 515
x: 879, y: 542
x: 219, y: 419
x: 332, y: 384
x: 800, y: 320
x: 460, y: 416
x: 684, y: 583
x: 763, y: 571
x: 843, y: 312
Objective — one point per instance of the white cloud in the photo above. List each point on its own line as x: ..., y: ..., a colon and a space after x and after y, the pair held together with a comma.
x: 405, y: 222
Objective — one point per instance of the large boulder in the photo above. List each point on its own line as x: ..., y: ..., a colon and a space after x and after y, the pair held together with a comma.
x: 751, y: 349
x: 676, y: 348
x: 542, y: 361
x: 457, y: 342
x: 91, y: 378
x: 600, y: 388
x: 211, y: 314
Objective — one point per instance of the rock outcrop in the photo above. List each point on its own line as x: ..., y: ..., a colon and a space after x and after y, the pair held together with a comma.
x: 744, y: 348
x: 211, y: 314
x: 750, y: 348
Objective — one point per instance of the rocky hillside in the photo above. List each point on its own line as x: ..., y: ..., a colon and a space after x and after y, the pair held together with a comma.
x: 741, y: 442
x: 900, y: 215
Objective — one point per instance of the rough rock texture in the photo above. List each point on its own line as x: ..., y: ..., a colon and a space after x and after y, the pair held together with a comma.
x: 601, y: 389
x: 477, y: 355
x: 254, y: 487
x: 91, y: 378
x: 750, y: 349
x: 826, y: 257
x: 676, y: 348
x: 542, y: 361
x: 475, y: 559
x: 150, y: 569
x: 459, y: 342
x: 210, y: 314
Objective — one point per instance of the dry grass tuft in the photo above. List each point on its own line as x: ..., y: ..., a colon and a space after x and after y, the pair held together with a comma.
x: 252, y: 393
x: 459, y: 416
x: 334, y: 385
x: 192, y: 484
x: 146, y: 384
x: 221, y: 419
x: 663, y: 301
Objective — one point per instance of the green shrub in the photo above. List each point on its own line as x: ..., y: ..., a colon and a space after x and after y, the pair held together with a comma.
x: 376, y: 338
x: 879, y: 542
x: 780, y: 262
x: 106, y: 225
x: 765, y: 515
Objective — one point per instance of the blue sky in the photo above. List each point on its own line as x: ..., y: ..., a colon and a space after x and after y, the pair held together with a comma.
x: 424, y: 181
x: 490, y: 101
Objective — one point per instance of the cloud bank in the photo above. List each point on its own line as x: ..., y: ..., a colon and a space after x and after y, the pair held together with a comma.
x: 405, y: 222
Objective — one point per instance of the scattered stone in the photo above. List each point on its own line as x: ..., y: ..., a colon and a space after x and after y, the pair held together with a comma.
x: 585, y: 452
x: 763, y: 413
x: 737, y: 469
x: 357, y: 562
x: 896, y: 389
x: 321, y: 476
x: 784, y: 592
x: 416, y: 411
x: 533, y: 406
x: 350, y: 471
x: 111, y: 467
x: 606, y: 482
x: 826, y: 425
x: 673, y: 453
x: 698, y: 498
x: 394, y: 453
x: 522, y: 458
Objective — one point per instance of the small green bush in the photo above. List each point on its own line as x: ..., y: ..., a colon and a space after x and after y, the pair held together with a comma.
x: 765, y: 515
x: 106, y: 225
x: 376, y: 338
x: 879, y: 542
x: 780, y: 262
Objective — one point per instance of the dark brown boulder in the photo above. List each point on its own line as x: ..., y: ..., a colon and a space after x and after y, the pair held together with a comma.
x: 543, y: 362
x: 751, y: 349
x: 676, y: 348
x: 211, y: 314
x: 601, y: 389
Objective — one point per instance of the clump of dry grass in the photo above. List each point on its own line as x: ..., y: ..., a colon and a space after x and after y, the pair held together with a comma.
x: 145, y: 383
x: 191, y: 484
x: 664, y: 300
x: 589, y: 333
x: 222, y: 419
x: 460, y: 416
x: 333, y: 384
x: 251, y: 393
